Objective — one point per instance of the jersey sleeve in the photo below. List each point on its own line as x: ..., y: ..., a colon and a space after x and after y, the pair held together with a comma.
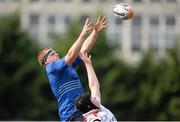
x: 106, y: 114
x: 76, y: 61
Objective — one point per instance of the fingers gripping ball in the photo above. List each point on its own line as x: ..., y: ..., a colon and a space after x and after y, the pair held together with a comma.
x: 123, y: 11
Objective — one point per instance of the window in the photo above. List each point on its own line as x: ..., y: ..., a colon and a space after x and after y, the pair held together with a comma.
x: 114, y: 31
x: 118, y: 1
x: 51, y: 25
x: 51, y: 0
x: 118, y: 32
x: 171, y: 1
x: 16, y: 0
x: 103, y: 0
x: 155, y: 0
x: 170, y: 32
x: 34, y: 0
x: 68, y: 0
x: 154, y: 21
x: 170, y: 39
x: 136, y: 33
x: 153, y: 41
x: 51, y: 20
x: 170, y: 20
x: 86, y: 0
x: 67, y: 19
x: 34, y: 19
x: 136, y: 21
x: 137, y: 1
x: 34, y: 25
x: 154, y: 32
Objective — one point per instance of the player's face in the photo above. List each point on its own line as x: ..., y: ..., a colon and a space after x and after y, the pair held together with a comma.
x: 53, y: 56
x: 50, y: 56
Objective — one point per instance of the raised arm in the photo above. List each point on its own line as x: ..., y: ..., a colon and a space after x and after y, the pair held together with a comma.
x: 76, y: 47
x: 92, y: 78
x: 98, y: 27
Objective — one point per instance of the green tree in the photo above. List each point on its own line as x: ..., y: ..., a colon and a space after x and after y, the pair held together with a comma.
x: 24, y: 89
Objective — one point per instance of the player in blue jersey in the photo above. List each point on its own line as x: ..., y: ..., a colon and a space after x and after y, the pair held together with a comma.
x: 64, y: 80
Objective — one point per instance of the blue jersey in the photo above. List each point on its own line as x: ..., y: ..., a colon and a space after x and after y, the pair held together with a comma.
x: 65, y: 84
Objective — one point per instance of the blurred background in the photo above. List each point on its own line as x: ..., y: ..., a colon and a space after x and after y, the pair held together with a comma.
x: 137, y: 61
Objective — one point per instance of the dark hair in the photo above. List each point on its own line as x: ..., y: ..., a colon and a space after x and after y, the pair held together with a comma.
x: 84, y: 104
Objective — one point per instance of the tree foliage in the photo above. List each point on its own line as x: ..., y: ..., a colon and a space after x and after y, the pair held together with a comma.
x: 23, y: 88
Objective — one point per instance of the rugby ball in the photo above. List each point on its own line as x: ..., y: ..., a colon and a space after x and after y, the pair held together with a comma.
x: 123, y: 11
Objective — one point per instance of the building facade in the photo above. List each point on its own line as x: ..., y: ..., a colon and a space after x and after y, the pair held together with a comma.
x: 155, y: 25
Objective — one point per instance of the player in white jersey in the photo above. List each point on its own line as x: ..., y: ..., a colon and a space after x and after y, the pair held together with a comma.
x: 102, y: 114
x: 90, y: 103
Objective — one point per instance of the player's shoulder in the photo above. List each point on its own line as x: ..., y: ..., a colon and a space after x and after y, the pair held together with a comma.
x: 56, y: 65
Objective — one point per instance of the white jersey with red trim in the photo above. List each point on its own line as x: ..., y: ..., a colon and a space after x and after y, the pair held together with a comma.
x: 102, y: 115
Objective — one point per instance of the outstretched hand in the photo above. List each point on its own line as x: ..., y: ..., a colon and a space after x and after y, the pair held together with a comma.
x: 101, y: 23
x: 85, y: 58
x: 87, y: 26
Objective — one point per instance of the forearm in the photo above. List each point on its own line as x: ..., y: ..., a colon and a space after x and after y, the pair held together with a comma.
x: 93, y: 80
x: 75, y: 49
x: 90, y: 41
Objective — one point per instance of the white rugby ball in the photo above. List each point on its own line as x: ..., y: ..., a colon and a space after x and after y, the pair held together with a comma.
x: 123, y: 11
